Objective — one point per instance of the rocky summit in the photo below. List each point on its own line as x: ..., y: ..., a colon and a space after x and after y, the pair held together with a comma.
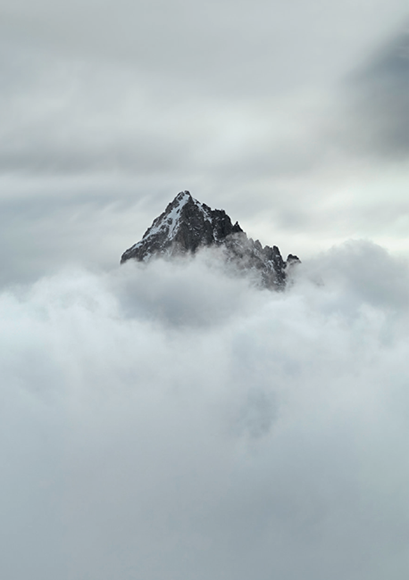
x: 187, y: 225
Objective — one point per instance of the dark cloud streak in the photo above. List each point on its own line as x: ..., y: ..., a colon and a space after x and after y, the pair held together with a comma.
x: 380, y: 93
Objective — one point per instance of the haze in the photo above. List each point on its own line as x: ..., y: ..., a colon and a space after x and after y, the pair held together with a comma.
x: 171, y: 421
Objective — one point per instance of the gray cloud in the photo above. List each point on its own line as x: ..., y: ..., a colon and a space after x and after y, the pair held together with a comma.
x: 107, y: 112
x: 220, y: 46
x: 170, y: 421
x: 381, y: 101
x: 173, y: 422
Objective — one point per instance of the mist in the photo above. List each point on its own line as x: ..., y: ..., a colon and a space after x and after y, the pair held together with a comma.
x: 173, y: 421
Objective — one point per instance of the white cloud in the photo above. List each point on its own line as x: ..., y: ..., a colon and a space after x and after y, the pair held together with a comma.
x: 171, y: 422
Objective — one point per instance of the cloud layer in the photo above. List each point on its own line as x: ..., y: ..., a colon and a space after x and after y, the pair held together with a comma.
x: 170, y: 421
x: 291, y: 116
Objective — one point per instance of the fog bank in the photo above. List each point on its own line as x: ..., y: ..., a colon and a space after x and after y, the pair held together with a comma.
x: 170, y: 422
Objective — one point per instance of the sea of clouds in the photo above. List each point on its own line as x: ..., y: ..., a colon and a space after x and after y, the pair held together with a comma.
x: 173, y: 422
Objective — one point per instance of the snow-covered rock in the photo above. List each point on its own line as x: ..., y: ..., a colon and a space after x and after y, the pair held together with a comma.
x: 187, y: 225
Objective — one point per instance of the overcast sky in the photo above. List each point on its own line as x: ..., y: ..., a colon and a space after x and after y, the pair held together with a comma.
x: 290, y: 115
x: 170, y: 421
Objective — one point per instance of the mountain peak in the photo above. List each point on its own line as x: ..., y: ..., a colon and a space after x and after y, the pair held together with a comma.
x: 187, y: 225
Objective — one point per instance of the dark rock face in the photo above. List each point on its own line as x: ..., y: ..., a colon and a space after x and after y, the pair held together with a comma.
x: 187, y: 225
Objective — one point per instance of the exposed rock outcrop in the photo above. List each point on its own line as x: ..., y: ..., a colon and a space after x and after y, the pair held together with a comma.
x: 187, y: 225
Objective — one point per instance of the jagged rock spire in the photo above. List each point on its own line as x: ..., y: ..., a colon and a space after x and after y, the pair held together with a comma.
x: 187, y: 225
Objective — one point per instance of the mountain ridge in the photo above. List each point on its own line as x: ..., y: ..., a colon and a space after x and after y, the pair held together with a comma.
x: 186, y: 225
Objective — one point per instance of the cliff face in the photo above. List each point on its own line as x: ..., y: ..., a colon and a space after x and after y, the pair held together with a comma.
x: 187, y: 225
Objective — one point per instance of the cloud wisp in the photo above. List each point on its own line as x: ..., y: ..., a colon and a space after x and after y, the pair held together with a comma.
x: 174, y: 422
